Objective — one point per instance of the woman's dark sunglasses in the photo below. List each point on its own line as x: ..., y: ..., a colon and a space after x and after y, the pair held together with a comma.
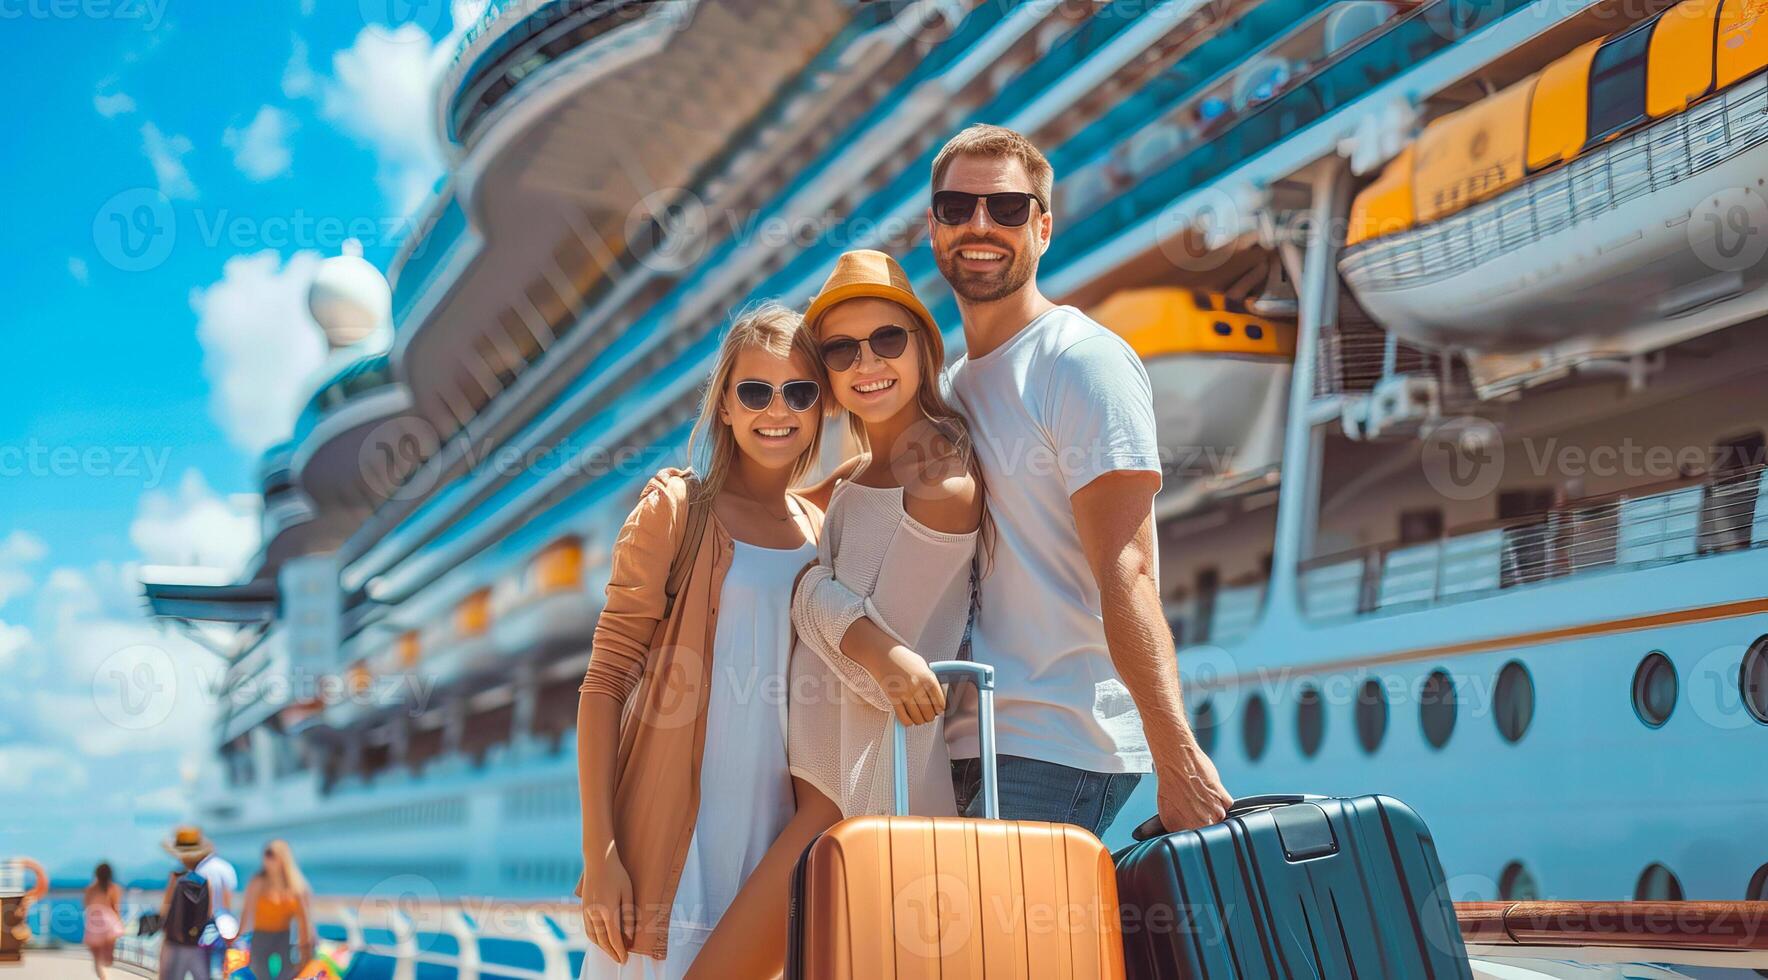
x: 888, y: 342
x: 1009, y: 208
x: 757, y: 395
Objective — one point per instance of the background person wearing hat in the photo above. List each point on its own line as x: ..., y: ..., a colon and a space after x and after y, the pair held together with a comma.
x: 194, y: 908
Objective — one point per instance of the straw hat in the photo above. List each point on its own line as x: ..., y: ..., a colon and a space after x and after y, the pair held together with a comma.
x: 868, y: 272
x: 188, y: 841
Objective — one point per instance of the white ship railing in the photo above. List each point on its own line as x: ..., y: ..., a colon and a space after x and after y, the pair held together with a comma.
x: 1713, y: 514
x: 1667, y: 152
x: 386, y: 938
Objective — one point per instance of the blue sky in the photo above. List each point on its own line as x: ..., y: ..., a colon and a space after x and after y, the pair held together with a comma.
x: 176, y: 169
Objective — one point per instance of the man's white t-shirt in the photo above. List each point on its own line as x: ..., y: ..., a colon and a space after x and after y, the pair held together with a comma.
x: 1062, y: 402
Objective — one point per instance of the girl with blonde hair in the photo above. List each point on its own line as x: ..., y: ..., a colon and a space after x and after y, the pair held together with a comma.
x: 890, y: 592
x: 681, y: 721
x: 277, y: 898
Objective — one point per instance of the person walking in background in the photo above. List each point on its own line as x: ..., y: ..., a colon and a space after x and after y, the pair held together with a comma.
x: 1087, y: 685
x: 102, y: 902
x: 681, y: 752
x: 187, y: 909
x: 276, y: 898
x: 223, y: 929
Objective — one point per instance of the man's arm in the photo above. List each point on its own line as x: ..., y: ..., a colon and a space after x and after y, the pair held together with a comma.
x: 1115, y: 517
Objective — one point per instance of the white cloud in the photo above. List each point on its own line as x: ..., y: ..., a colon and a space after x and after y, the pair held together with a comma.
x: 77, y: 268
x: 107, y: 719
x: 113, y: 104
x: 41, y: 767
x: 195, y: 526
x: 381, y: 92
x: 18, y: 551
x: 298, y: 78
x: 12, y: 640
x: 261, y: 149
x: 167, y: 154
x: 260, y: 345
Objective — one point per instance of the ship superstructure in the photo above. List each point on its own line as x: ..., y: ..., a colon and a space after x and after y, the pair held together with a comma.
x: 1396, y: 556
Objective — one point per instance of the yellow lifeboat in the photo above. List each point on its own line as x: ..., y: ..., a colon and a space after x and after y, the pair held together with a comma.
x: 1220, y: 376
x: 1610, y: 203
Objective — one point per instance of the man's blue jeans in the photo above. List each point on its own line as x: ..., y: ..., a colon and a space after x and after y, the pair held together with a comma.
x: 1032, y: 789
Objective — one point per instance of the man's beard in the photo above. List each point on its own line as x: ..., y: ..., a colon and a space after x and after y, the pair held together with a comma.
x: 986, y: 287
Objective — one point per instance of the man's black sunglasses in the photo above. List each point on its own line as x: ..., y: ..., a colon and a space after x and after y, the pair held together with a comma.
x: 757, y: 395
x: 1008, y: 208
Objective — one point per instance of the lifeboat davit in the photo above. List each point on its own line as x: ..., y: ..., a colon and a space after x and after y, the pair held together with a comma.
x: 1221, y: 380
x: 1611, y: 203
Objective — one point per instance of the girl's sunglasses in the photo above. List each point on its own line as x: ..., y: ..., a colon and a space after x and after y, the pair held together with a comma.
x: 1008, y: 208
x: 888, y: 342
x: 756, y: 396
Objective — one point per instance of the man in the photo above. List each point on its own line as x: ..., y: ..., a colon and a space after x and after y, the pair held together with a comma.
x: 224, y: 883
x: 187, y: 909
x: 1062, y: 413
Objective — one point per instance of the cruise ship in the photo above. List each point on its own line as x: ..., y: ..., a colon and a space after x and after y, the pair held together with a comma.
x: 1453, y: 311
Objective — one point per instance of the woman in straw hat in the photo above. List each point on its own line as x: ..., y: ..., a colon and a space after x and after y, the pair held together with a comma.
x: 890, y: 592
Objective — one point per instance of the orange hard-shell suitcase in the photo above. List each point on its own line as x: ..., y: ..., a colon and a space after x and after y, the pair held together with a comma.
x: 902, y: 898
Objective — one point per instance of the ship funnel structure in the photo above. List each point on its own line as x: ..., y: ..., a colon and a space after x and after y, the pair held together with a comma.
x: 349, y: 298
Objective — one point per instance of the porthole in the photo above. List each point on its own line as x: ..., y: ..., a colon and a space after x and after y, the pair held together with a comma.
x: 1752, y: 680
x: 1654, y: 689
x: 1516, y: 884
x: 1436, y: 708
x: 1255, y: 332
x: 1310, y: 721
x: 1513, y: 701
x: 1255, y: 727
x: 1657, y: 884
x: 1371, y: 715
x: 1758, y: 892
x: 1204, y: 724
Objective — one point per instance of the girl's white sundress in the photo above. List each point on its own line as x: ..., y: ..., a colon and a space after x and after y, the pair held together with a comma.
x: 745, y: 790
x: 876, y: 561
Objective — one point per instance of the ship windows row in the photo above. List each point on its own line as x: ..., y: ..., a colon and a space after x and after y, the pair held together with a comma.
x: 1656, y: 883
x: 1655, y: 692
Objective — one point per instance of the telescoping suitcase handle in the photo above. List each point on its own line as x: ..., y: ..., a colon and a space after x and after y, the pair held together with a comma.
x: 1152, y: 827
x: 955, y: 670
